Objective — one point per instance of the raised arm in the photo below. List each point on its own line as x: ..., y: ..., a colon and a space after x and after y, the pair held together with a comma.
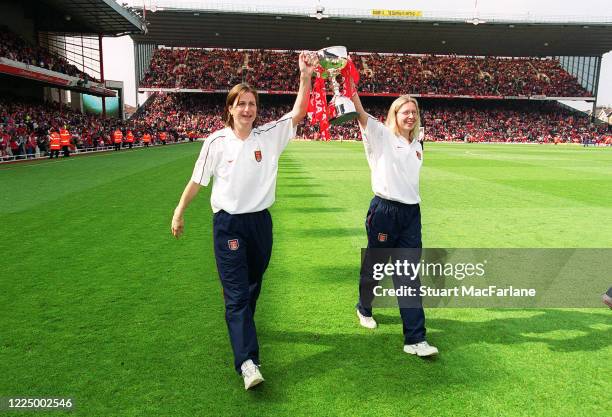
x: 178, y: 223
x: 307, y: 63
x: 363, y: 115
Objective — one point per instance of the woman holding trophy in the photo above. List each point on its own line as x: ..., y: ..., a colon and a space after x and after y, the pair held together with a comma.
x: 243, y: 160
x: 395, y: 156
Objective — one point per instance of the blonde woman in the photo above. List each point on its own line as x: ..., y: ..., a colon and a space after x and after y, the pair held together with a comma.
x: 395, y: 156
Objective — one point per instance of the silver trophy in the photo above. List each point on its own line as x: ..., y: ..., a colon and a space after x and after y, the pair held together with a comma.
x: 333, y: 60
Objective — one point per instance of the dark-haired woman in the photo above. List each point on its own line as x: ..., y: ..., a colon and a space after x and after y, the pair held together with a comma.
x: 243, y: 160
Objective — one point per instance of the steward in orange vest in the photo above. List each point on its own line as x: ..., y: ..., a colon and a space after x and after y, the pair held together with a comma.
x: 117, y: 139
x: 163, y: 136
x: 129, y: 138
x: 146, y: 139
x: 65, y: 141
x: 54, y: 144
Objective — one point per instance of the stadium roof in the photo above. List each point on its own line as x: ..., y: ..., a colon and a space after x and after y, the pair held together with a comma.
x: 253, y: 30
x: 104, y: 17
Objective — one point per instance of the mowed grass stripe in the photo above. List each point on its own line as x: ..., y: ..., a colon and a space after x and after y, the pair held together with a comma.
x: 41, y: 182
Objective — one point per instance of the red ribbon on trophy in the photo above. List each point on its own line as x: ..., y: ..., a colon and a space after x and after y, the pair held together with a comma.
x: 349, y: 71
x: 318, y: 109
x: 317, y: 105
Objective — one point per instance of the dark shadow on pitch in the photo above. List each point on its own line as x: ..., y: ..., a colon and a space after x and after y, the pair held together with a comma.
x: 372, y: 358
x: 366, y: 359
x: 517, y: 330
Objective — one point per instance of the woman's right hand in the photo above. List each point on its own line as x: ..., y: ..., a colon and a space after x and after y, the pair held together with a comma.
x: 178, y: 225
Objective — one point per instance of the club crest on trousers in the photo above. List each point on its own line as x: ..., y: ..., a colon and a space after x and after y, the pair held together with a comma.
x: 232, y: 244
x: 382, y: 237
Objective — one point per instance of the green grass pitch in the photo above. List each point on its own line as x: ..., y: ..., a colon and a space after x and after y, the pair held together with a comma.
x: 100, y: 303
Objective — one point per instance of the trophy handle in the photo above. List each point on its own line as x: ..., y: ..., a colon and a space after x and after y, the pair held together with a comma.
x: 333, y: 74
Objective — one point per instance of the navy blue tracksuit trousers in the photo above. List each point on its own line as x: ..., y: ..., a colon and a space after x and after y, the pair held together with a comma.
x: 390, y: 224
x: 243, y: 245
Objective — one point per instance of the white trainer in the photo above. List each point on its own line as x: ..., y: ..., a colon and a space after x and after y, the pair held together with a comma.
x: 251, y: 374
x: 365, y: 321
x: 421, y: 349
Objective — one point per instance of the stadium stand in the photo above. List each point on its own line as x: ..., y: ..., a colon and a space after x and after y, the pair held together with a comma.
x: 273, y: 71
x: 16, y: 48
x: 24, y: 122
x: 214, y: 69
x: 51, y: 53
x: 508, y: 121
x: 189, y: 68
x: 444, y: 120
x: 25, y: 125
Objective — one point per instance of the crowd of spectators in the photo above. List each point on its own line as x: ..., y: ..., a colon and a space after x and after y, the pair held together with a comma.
x: 444, y: 120
x: 195, y: 115
x: 194, y: 68
x: 201, y: 114
x: 25, y: 125
x: 219, y: 69
x: 456, y: 75
x: 16, y: 48
x: 508, y: 121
